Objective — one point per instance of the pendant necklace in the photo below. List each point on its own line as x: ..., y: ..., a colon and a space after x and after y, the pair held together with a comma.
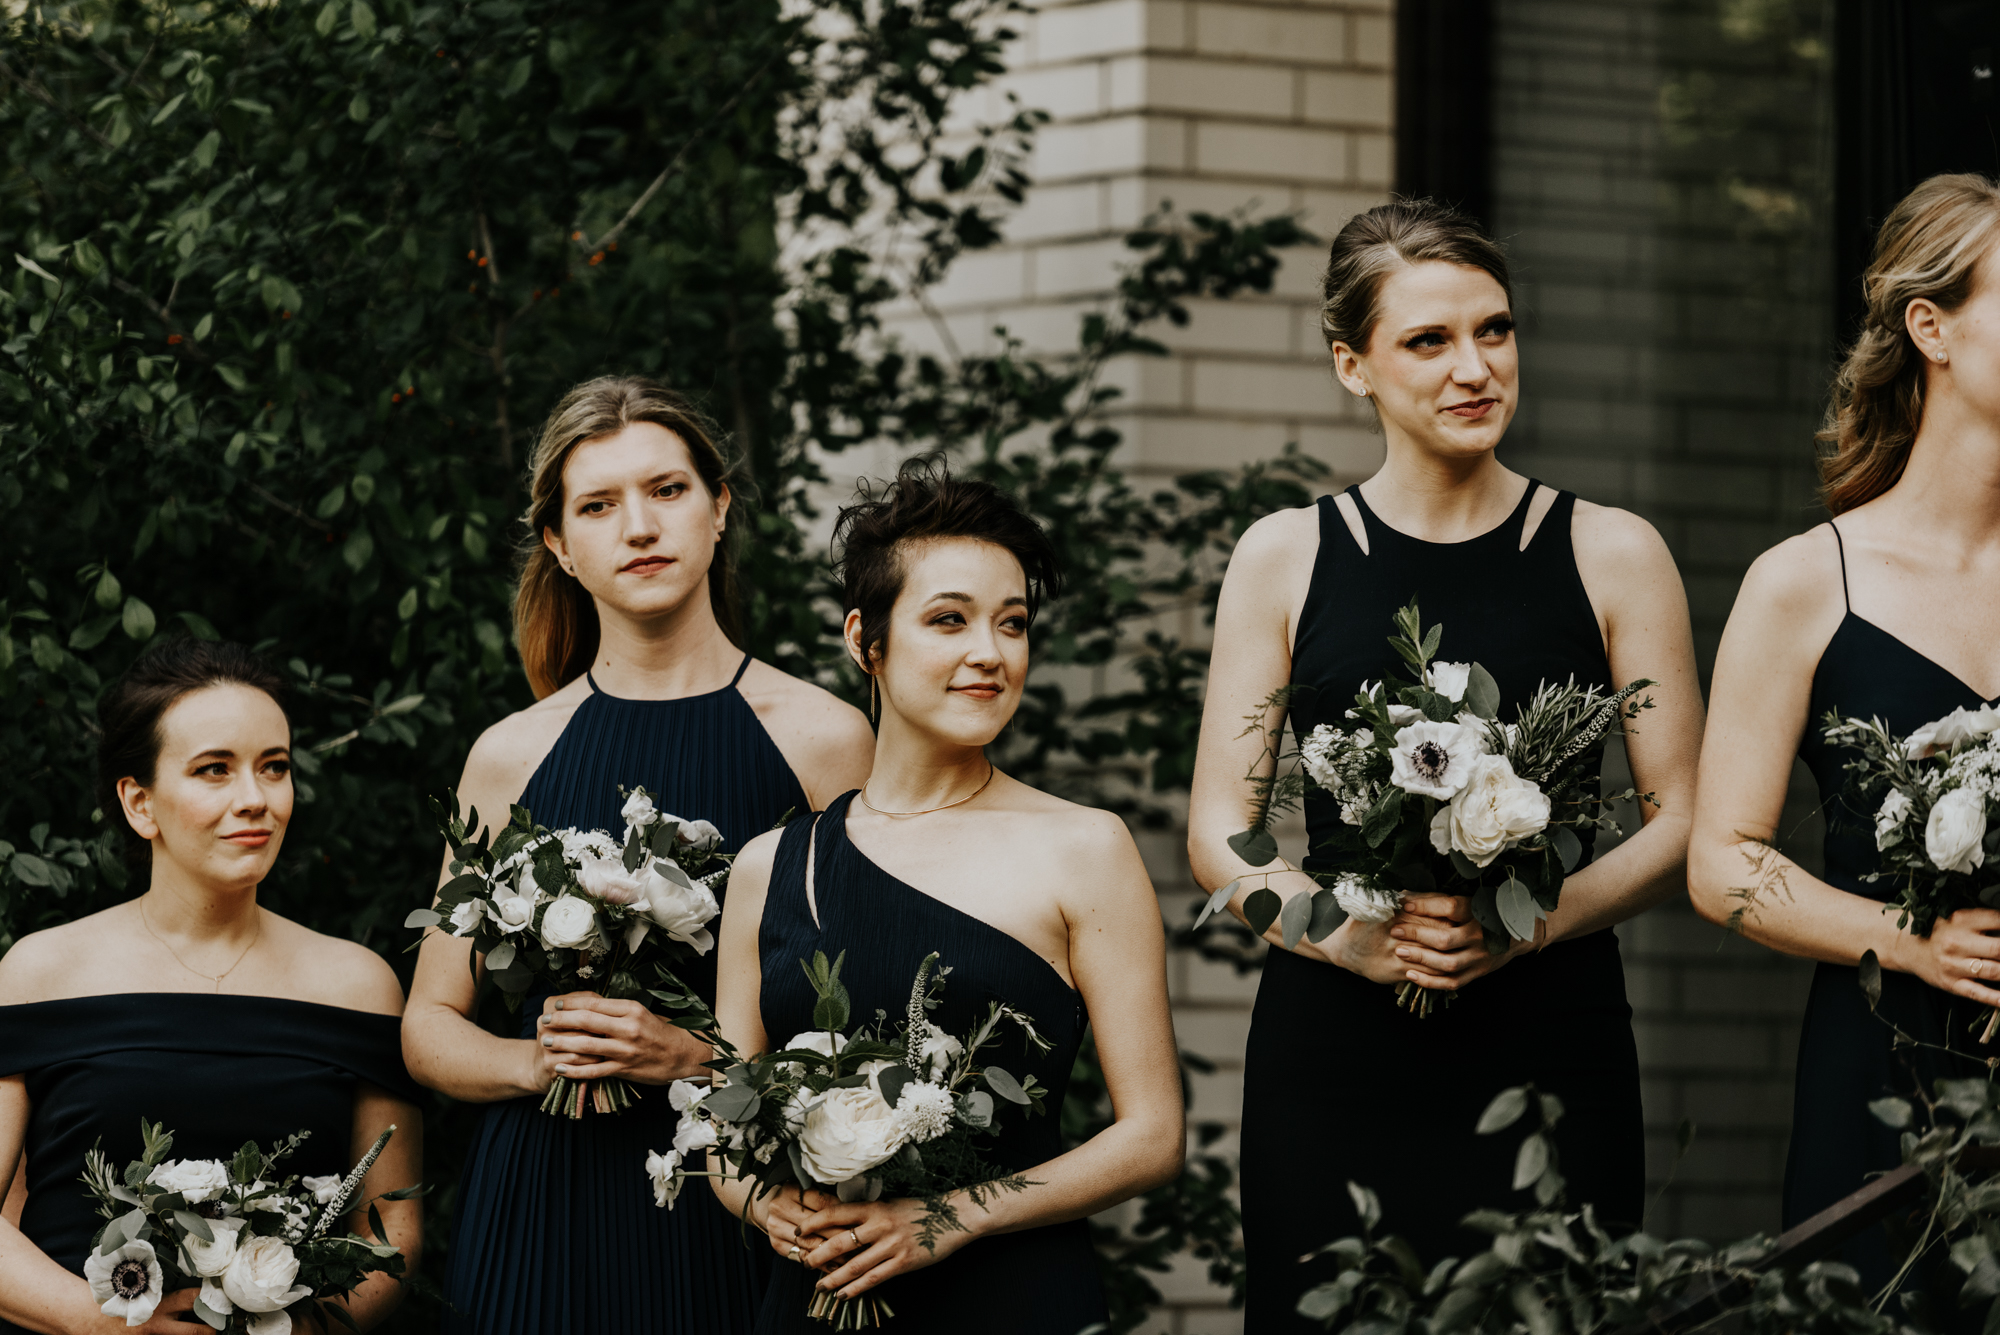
x: 216, y: 978
x: 990, y: 772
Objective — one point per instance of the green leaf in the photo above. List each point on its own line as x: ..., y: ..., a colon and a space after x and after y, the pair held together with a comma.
x: 198, y: 626
x: 328, y: 19
x: 1258, y: 847
x: 34, y: 268
x: 109, y: 593
x: 357, y: 110
x: 173, y: 105
x: 475, y: 543
x: 204, y: 158
x: 1482, y: 693
x: 91, y: 633
x: 29, y: 869
x: 406, y: 606
x: 1871, y: 978
x: 1327, y: 916
x: 1518, y: 910
x: 517, y: 77
x: 1532, y: 1161
x: 733, y: 1103
x: 500, y: 956
x: 195, y: 1225
x: 891, y: 1082
x: 209, y: 1315
x: 88, y: 259
x: 1294, y: 917
x: 329, y: 504
x: 203, y: 326
x: 1366, y: 1204
x: 358, y: 548
x: 1569, y: 848
x: 1005, y: 1085
x: 363, y: 19
x: 237, y: 381
x: 1892, y: 1112
x: 1505, y: 1110
x: 1380, y: 822
x: 423, y: 918
x: 137, y: 620
x: 1261, y: 909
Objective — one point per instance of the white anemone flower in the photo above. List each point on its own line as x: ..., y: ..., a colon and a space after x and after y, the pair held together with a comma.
x: 1434, y: 759
x: 1363, y: 901
x: 128, y: 1282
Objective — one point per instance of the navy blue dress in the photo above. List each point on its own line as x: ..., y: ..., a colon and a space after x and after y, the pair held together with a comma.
x: 1338, y: 1082
x: 1039, y: 1279
x: 216, y: 1070
x: 1846, y: 1055
x: 557, y: 1232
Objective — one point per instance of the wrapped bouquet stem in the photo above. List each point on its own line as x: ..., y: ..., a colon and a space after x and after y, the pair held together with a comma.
x: 1437, y: 795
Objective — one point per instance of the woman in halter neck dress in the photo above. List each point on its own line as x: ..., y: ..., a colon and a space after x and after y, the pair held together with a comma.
x: 1891, y: 610
x: 1339, y: 1083
x: 626, y: 623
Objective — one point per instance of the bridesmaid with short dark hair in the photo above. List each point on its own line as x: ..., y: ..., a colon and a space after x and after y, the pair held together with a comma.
x: 191, y: 1005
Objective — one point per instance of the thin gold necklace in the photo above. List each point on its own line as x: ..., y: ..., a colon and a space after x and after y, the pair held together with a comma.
x: 216, y: 978
x: 990, y: 772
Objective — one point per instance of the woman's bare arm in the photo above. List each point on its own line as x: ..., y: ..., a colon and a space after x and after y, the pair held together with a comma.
x: 738, y: 989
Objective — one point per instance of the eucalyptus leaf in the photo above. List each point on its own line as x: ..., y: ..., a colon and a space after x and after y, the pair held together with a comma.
x: 501, y: 956
x: 1892, y: 1112
x: 1217, y: 902
x: 1518, y: 910
x: 1380, y: 822
x: 194, y: 1224
x: 891, y: 1082
x: 1568, y: 847
x: 1294, y: 917
x: 1505, y: 1110
x: 423, y: 918
x: 1261, y: 908
x: 1258, y: 847
x: 1870, y: 972
x: 1327, y: 916
x: 733, y: 1103
x: 1482, y: 693
x: 1005, y: 1085
x: 209, y: 1316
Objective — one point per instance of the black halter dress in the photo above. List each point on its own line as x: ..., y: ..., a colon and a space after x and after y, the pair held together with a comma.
x: 215, y: 1070
x: 1846, y: 1056
x: 557, y: 1233
x: 1340, y: 1084
x: 1039, y: 1279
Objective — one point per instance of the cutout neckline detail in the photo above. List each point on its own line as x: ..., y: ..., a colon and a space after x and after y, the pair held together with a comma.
x: 1516, y: 521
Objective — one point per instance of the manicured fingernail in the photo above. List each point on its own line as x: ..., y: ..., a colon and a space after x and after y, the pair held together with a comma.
x: 1396, y: 932
x: 558, y: 1005
x: 547, y: 1041
x: 1404, y: 955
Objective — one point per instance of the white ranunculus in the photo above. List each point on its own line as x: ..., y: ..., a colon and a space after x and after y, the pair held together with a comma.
x: 607, y: 879
x: 694, y: 1133
x: 214, y: 1299
x: 569, y: 924
x: 1449, y: 679
x: 127, y: 1283
x: 1365, y: 902
x: 1954, y: 834
x: 664, y: 1169
x: 260, y: 1275
x: 925, y: 1111
x: 208, y: 1259
x: 466, y: 917
x: 512, y: 913
x: 638, y: 808
x: 1960, y: 725
x: 938, y: 1050
x: 680, y: 907
x: 197, y: 1180
x: 1496, y: 810
x: 849, y: 1131
x: 270, y: 1323
x: 700, y: 835
x: 1889, y: 817
x: 1434, y: 759
x: 823, y: 1041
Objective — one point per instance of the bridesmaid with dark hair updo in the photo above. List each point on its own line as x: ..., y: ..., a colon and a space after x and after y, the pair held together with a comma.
x: 191, y: 1005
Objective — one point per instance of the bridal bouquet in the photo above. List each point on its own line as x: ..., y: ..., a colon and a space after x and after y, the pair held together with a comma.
x: 1436, y: 794
x: 876, y: 1112
x: 256, y: 1245
x: 575, y: 910
x: 1936, y: 789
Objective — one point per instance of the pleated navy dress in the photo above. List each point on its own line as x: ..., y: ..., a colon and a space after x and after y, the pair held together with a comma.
x: 1846, y: 1057
x: 216, y: 1070
x: 557, y: 1233
x: 1041, y: 1280
x: 1341, y: 1085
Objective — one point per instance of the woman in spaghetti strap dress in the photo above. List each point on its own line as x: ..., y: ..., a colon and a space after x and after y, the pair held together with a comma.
x: 626, y: 623
x: 1340, y: 1083
x: 1890, y: 611
x: 1028, y: 899
x: 191, y: 1006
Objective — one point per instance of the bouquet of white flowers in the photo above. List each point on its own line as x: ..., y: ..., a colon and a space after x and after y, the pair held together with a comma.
x: 1437, y: 795
x: 578, y: 910
x: 1937, y: 788
x: 255, y: 1244
x: 847, y: 1114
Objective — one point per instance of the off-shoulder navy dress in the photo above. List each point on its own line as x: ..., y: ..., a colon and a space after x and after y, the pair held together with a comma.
x: 1039, y: 1279
x: 216, y: 1070
x: 1847, y: 1056
x: 1339, y: 1084
x: 557, y: 1233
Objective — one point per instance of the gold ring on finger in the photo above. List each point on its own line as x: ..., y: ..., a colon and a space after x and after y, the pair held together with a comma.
x: 793, y: 1255
x: 856, y: 1236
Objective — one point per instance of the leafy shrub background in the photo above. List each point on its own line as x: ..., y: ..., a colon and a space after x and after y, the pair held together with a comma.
x: 288, y: 288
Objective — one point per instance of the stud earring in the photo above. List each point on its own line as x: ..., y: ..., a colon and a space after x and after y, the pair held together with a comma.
x: 1940, y: 356
x: 1364, y: 391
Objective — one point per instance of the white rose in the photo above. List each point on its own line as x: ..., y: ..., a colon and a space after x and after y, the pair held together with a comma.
x: 1955, y: 831
x: 208, y: 1259
x: 1960, y: 725
x: 638, y: 808
x: 849, y: 1131
x: 260, y: 1275
x: 1496, y: 810
x: 678, y: 906
x: 700, y: 835
x: 607, y: 879
x: 127, y: 1283
x: 569, y: 924
x: 512, y: 913
x: 825, y: 1042
x: 1364, y: 902
x: 197, y: 1180
x: 1434, y: 759
x: 1895, y: 809
x: 465, y: 917
x: 1449, y: 679
x: 664, y: 1169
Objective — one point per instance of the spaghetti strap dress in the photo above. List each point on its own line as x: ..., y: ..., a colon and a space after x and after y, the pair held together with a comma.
x: 214, y: 1069
x: 1341, y: 1085
x: 557, y: 1233
x: 1039, y: 1279
x: 1846, y: 1055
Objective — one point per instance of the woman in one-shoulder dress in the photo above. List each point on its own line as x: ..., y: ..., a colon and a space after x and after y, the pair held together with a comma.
x: 1340, y: 1084
x: 1028, y: 899
x: 1889, y: 611
x: 190, y: 1005
x: 625, y: 619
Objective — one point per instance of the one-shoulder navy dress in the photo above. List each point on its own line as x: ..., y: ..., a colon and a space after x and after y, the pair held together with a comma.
x: 1341, y: 1085
x: 216, y: 1070
x: 557, y: 1233
x: 1846, y: 1058
x: 1039, y: 1279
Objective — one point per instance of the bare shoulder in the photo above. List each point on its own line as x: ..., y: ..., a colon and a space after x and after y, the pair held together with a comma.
x: 1797, y: 580
x: 1276, y: 541
x: 1607, y: 538
x: 506, y: 755
x: 1069, y: 834
x: 43, y: 965
x: 754, y: 862
x: 825, y: 740
x: 333, y: 971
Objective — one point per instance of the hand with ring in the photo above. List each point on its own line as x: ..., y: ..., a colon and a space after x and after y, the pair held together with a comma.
x: 785, y: 1216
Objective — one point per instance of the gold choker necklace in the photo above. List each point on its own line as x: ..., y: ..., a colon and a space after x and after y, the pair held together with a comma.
x: 990, y: 772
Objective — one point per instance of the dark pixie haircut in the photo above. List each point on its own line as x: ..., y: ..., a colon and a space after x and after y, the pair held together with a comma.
x: 1388, y: 237
x: 131, y: 708
x: 925, y: 503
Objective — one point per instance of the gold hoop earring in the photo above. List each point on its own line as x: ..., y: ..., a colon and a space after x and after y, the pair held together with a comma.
x: 874, y: 701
